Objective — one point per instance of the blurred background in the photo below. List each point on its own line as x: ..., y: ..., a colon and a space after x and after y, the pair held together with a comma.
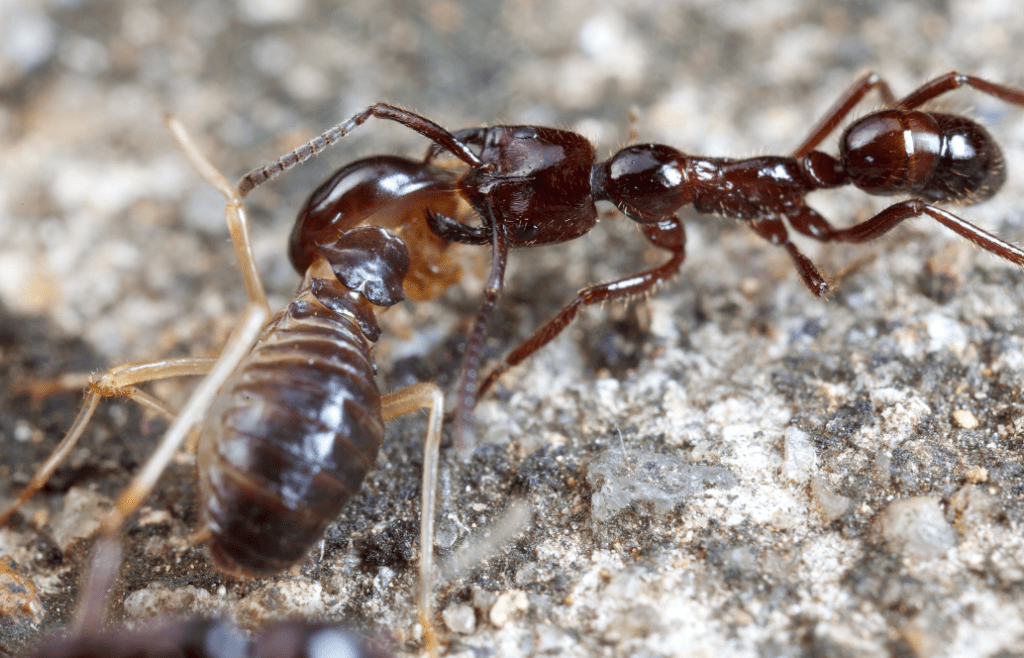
x: 113, y: 249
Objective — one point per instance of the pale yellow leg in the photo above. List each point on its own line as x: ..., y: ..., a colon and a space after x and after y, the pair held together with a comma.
x: 118, y: 381
x: 106, y: 555
x: 238, y: 220
x: 423, y: 396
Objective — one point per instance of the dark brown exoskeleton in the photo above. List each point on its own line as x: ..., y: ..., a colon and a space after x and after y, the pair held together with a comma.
x: 297, y: 426
x: 528, y: 185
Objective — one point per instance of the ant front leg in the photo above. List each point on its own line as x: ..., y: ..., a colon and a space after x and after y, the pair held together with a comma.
x: 468, y: 392
x: 667, y: 234
x: 453, y: 230
x: 842, y: 108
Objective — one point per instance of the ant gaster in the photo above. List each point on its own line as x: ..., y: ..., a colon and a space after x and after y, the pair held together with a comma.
x: 530, y: 185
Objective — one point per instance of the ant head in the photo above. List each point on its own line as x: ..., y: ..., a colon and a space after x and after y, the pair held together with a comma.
x: 647, y: 182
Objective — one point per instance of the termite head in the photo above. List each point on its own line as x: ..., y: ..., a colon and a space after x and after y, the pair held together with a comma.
x: 360, y: 270
x: 370, y: 261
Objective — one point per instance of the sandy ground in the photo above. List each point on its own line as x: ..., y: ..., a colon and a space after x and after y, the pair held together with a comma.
x: 729, y: 468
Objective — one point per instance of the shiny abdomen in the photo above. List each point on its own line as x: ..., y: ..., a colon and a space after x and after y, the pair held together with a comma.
x: 289, y: 440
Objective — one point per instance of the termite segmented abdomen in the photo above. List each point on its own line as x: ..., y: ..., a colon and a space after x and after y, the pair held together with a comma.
x: 293, y: 433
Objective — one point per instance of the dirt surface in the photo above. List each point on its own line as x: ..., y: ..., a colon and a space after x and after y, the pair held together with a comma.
x: 729, y: 468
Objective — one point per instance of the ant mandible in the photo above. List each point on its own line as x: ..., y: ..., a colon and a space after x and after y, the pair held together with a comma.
x: 531, y: 185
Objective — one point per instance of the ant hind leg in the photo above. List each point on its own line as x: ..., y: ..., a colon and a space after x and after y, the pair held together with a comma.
x: 954, y: 80
x: 889, y: 218
x: 810, y: 223
x: 842, y: 107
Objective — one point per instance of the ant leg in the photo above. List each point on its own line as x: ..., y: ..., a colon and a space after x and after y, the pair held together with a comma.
x: 234, y: 211
x: 954, y: 80
x: 773, y: 230
x: 842, y: 107
x: 886, y: 220
x: 118, y: 381
x: 420, y: 124
x: 455, y: 231
x: 422, y: 396
x: 467, y: 391
x: 668, y: 234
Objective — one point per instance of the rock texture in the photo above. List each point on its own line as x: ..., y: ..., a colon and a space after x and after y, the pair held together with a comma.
x: 729, y: 468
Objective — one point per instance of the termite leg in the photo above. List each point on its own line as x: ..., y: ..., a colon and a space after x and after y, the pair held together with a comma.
x: 118, y: 381
x: 238, y: 220
x: 244, y: 335
x: 422, y: 396
x: 106, y: 554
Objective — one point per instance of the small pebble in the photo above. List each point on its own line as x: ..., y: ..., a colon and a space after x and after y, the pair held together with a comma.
x: 833, y: 505
x: 916, y: 527
x: 80, y: 516
x: 19, y: 601
x: 965, y: 419
x: 508, y: 605
x: 799, y: 459
x: 459, y: 618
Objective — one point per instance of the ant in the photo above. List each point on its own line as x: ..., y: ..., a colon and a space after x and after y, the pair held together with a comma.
x: 531, y: 185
